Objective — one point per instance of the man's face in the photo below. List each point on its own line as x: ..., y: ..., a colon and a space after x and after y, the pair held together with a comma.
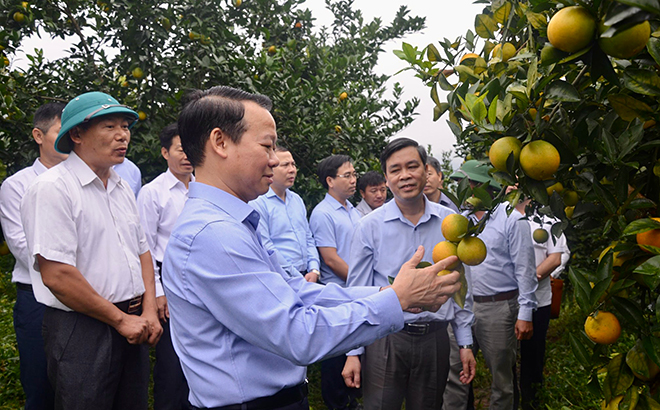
x: 103, y: 144
x: 176, y: 159
x: 375, y: 195
x: 46, y: 140
x: 405, y: 174
x: 253, y: 158
x: 284, y: 175
x: 343, y: 184
x: 433, y: 180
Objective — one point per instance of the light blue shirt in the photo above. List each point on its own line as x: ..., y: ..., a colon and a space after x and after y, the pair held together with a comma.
x: 332, y: 225
x: 384, y: 240
x: 130, y: 173
x: 242, y: 327
x: 284, y: 230
x: 445, y: 201
x: 509, y: 263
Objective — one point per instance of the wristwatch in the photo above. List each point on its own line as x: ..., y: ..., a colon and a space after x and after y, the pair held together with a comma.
x: 316, y: 271
x: 465, y: 347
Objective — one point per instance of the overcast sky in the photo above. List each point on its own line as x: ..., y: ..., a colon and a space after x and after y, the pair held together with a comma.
x: 444, y: 19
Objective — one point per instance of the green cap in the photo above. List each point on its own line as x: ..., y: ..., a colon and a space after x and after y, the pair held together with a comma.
x: 82, y: 109
x: 475, y: 171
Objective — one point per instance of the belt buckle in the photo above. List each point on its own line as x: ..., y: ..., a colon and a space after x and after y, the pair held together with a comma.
x: 417, y: 328
x: 134, y: 304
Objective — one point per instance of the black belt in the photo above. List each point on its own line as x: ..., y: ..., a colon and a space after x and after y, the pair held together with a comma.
x: 282, y: 398
x: 419, y: 329
x: 131, y: 306
x: 24, y: 286
x: 497, y: 298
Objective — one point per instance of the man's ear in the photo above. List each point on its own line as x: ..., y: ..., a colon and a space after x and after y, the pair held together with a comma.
x: 165, y: 153
x: 219, y: 142
x: 74, y: 134
x: 330, y: 181
x: 38, y: 135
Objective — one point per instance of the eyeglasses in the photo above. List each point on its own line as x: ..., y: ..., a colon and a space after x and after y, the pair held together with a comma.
x: 103, y: 107
x: 348, y: 175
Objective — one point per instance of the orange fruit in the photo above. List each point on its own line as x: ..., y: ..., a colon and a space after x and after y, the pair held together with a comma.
x: 501, y: 149
x: 539, y: 160
x: 444, y: 250
x: 272, y: 50
x: 651, y: 238
x: 602, y: 328
x: 343, y: 96
x: 471, y: 250
x: 468, y: 55
x: 626, y: 43
x: 556, y: 187
x: 571, y: 197
x: 504, y: 52
x: 454, y: 227
x: 19, y: 17
x: 540, y: 235
x: 138, y: 73
x: 571, y: 29
x: 142, y: 115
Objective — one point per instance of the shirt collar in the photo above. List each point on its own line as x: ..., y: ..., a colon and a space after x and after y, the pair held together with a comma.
x: 392, y: 212
x: 39, y: 167
x: 235, y: 207
x: 86, y: 176
x: 335, y: 204
x: 171, y: 181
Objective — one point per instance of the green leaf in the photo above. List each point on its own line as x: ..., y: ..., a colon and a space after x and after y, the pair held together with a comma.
x: 652, y: 348
x: 647, y: 403
x: 434, y: 95
x: 580, y: 351
x: 629, y: 311
x: 582, y: 288
x: 492, y: 111
x: 562, y: 91
x: 485, y: 26
x: 599, y: 290
x: 479, y: 112
x: 653, y: 47
x: 649, y: 5
x: 433, y: 53
x: 619, y: 377
x: 605, y: 197
x: 642, y: 81
x: 444, y: 84
x: 641, y: 203
x: 651, y: 271
x: 501, y: 15
x: 630, y: 399
x: 390, y: 279
x: 636, y: 360
x: 438, y: 110
x: 629, y: 107
x: 410, y: 52
x: 641, y: 225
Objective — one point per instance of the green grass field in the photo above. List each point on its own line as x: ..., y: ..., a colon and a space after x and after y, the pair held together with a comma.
x: 565, y: 379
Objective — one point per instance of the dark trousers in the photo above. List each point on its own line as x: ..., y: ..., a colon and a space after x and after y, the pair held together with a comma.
x: 28, y: 316
x: 302, y: 405
x: 91, y: 366
x: 532, y: 360
x: 170, y: 385
x: 336, y: 395
x: 404, y: 366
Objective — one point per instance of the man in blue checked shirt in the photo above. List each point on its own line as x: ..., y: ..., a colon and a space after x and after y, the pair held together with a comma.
x: 503, y: 287
x: 283, y: 224
x: 418, y: 356
x: 243, y: 328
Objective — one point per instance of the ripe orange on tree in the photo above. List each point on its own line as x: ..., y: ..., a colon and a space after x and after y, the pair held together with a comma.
x: 539, y: 160
x: 627, y: 43
x: 501, y: 149
x: 571, y: 29
x: 602, y: 327
x: 650, y: 238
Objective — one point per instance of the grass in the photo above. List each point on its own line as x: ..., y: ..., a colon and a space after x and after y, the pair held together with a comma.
x: 565, y: 386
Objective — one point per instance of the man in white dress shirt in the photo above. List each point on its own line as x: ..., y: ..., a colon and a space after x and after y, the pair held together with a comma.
x: 90, y: 263
x: 28, y: 313
x: 160, y: 202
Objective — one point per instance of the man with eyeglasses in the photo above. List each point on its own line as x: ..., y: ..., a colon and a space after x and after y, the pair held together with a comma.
x: 28, y: 313
x: 283, y: 225
x: 332, y: 223
x: 90, y: 263
x: 373, y: 191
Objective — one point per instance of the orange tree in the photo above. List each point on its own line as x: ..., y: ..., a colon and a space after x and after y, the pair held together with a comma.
x: 576, y: 84
x: 148, y: 53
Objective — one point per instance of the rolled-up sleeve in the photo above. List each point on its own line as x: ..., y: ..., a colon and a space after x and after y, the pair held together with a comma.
x: 522, y: 254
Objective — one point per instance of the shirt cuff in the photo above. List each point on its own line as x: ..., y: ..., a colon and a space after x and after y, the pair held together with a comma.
x: 525, y: 313
x: 356, y: 352
x: 159, y: 289
x: 463, y: 334
x: 313, y: 265
x: 389, y: 311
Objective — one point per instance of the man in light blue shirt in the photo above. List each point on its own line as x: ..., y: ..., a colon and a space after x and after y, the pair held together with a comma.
x: 434, y: 181
x: 503, y: 287
x: 243, y: 328
x: 418, y: 362
x: 283, y: 224
x: 130, y: 172
x: 332, y: 223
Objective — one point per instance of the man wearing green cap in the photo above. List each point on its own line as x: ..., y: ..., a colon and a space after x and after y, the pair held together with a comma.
x: 90, y: 263
x: 503, y: 287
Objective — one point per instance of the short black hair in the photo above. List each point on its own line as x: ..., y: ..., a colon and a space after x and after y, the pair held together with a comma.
x: 370, y: 178
x: 218, y: 107
x: 432, y: 161
x: 397, y: 145
x: 47, y: 114
x: 281, y: 148
x: 167, y: 135
x: 329, y: 165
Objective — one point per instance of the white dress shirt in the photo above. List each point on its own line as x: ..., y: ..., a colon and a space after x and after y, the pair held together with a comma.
x: 160, y: 202
x: 11, y: 194
x: 70, y: 217
x: 542, y: 251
